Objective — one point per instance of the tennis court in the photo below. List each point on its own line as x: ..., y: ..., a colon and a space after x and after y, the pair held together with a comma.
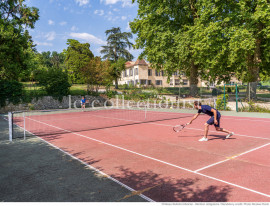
x: 141, y: 152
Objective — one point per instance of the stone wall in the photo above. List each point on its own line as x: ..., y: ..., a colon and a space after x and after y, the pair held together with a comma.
x: 48, y: 102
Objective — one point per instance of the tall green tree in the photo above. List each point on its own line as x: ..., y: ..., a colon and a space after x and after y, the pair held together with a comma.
x: 15, y: 18
x: 97, y: 73
x: 163, y: 31
x: 233, y: 38
x: 51, y: 59
x: 117, y: 47
x: 250, y: 41
x: 210, y: 39
x: 77, y: 56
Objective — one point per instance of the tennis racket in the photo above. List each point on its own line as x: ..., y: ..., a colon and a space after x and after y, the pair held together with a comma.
x: 178, y: 128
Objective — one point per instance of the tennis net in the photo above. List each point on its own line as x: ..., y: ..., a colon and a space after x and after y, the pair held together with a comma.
x: 52, y: 123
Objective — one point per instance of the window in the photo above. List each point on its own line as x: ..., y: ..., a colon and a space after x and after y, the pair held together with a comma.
x: 212, y: 84
x: 149, y: 72
x: 157, y: 73
x: 143, y: 81
x: 130, y: 72
x: 130, y: 83
x: 158, y: 82
x: 136, y: 81
x: 136, y: 71
x: 171, y: 81
x: 175, y: 73
x: 149, y: 82
x: 177, y: 82
x: 185, y: 82
x: 162, y: 73
x: 125, y: 73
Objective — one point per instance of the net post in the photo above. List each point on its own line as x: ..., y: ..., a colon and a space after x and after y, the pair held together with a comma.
x: 24, y: 134
x: 10, y: 125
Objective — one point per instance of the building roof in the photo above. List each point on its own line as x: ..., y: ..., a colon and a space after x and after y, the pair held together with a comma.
x: 130, y: 64
x: 141, y: 62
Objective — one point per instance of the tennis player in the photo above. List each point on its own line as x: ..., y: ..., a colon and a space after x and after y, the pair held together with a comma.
x: 83, y: 103
x: 214, y: 120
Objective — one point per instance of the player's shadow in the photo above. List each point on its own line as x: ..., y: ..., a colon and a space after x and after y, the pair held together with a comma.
x: 171, y: 189
x: 221, y: 137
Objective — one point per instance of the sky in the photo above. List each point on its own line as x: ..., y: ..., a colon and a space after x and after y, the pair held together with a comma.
x: 83, y: 20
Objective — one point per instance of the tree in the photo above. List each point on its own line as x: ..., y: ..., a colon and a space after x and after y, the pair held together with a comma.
x: 117, y: 68
x: 51, y: 59
x: 163, y: 31
x: 15, y: 40
x: 96, y: 73
x: 250, y: 42
x: 210, y: 39
x: 77, y: 56
x: 57, y: 59
x: 117, y: 44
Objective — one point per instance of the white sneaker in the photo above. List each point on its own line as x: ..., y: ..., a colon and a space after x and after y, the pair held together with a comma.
x: 229, y: 135
x: 203, y: 139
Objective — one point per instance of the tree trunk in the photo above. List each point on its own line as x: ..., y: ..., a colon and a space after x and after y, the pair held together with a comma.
x: 251, y: 91
x: 116, y: 83
x: 193, y: 79
x: 254, y: 71
x: 88, y: 88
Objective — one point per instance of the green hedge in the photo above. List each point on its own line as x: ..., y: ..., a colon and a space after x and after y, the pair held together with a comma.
x: 54, y: 81
x: 11, y: 91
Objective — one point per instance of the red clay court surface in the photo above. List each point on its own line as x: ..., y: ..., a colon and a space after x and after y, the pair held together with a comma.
x: 165, y: 166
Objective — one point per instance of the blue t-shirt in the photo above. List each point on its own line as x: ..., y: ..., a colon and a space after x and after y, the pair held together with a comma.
x: 83, y: 101
x: 206, y: 109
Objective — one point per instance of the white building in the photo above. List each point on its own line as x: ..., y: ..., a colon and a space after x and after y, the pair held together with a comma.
x: 141, y: 74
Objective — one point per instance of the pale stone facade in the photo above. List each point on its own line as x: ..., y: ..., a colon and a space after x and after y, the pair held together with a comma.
x: 140, y: 73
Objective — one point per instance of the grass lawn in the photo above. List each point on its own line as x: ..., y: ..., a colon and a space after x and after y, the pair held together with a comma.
x: 266, y: 83
x: 32, y: 89
x: 78, y: 89
x: 264, y: 95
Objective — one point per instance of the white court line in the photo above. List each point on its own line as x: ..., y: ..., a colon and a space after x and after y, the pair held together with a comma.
x: 233, y: 157
x: 91, y: 167
x: 161, y: 161
x: 211, y: 165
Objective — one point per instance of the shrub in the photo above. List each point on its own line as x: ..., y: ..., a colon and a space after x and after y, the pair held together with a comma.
x: 214, y: 92
x: 111, y: 93
x: 252, y: 107
x: 11, y: 91
x: 229, y: 90
x: 54, y: 81
x: 220, y: 101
